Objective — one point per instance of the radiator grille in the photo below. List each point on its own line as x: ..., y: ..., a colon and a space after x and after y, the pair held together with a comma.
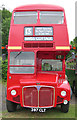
x: 46, y: 97
x: 38, y: 96
x: 30, y: 96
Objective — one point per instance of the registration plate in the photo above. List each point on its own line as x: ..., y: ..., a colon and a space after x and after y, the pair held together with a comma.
x: 38, y: 109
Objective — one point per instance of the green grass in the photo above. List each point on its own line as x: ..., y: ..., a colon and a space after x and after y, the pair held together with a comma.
x: 50, y: 113
x: 0, y: 58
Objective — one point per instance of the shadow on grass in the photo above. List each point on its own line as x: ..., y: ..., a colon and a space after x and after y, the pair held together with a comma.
x: 50, y: 113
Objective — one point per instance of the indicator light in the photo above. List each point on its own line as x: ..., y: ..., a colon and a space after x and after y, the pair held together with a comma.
x: 65, y: 102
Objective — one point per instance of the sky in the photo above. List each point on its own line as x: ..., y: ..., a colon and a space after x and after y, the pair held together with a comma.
x: 68, y: 5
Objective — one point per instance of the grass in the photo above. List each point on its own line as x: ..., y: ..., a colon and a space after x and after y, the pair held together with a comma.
x: 50, y: 113
x: 0, y: 58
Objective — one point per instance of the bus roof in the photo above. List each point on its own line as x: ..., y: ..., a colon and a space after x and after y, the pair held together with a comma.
x: 38, y: 7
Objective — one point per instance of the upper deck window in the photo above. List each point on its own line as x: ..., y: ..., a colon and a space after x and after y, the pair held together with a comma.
x: 25, y: 17
x: 51, y: 17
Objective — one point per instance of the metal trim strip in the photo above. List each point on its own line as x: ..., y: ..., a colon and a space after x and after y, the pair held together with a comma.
x: 62, y: 47
x: 14, y: 47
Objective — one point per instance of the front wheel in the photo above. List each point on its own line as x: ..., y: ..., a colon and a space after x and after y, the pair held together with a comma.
x: 65, y: 107
x: 11, y: 106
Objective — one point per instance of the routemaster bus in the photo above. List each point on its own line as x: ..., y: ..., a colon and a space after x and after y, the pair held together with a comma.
x: 37, y: 46
x: 71, y: 72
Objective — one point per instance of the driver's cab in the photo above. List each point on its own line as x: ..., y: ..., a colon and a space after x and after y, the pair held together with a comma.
x: 47, y: 61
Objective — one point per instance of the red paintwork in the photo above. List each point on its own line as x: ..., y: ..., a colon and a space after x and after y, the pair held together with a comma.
x: 16, y: 38
x: 17, y: 31
x: 39, y: 7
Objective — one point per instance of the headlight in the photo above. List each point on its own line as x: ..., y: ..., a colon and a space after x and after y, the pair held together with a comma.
x: 63, y: 93
x: 13, y: 92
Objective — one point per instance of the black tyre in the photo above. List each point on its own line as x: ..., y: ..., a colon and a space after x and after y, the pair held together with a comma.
x: 75, y: 93
x: 11, y: 106
x: 65, y: 108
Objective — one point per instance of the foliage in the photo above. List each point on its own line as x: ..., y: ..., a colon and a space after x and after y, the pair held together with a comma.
x: 4, y: 70
x: 6, y: 18
x: 73, y: 44
x: 69, y: 54
x: 75, y: 41
x: 71, y: 76
x: 6, y: 14
x: 5, y: 31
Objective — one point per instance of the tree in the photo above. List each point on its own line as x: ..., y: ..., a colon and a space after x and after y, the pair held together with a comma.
x: 5, y: 31
x: 74, y: 44
x: 75, y: 41
x: 6, y: 14
x: 6, y: 18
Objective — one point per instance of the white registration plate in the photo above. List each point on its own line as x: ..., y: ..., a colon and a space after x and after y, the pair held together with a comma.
x: 38, y: 109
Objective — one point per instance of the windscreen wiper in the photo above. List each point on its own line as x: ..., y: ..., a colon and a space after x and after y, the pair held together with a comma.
x: 18, y: 54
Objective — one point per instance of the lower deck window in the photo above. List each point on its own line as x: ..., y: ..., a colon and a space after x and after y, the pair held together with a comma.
x: 21, y: 69
x: 19, y: 62
x: 51, y: 65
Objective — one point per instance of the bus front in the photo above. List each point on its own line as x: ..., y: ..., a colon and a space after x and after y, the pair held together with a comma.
x: 37, y: 47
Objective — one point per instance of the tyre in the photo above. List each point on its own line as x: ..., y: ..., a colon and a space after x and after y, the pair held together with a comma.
x: 75, y: 93
x: 11, y: 106
x: 65, y: 108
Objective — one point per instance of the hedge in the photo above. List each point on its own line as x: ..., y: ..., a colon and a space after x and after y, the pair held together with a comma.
x: 4, y: 70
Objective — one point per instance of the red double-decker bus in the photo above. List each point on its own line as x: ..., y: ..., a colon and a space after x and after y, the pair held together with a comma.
x: 37, y: 46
